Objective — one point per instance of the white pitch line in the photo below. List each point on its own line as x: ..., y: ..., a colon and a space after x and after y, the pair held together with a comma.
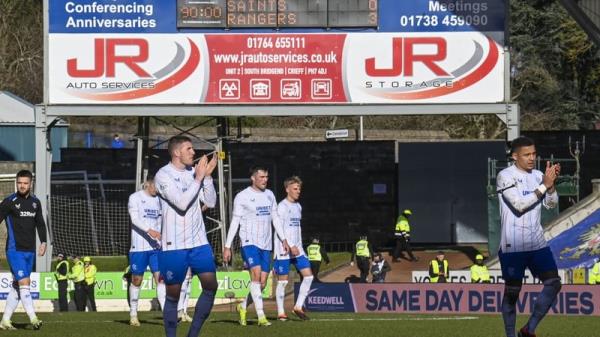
x: 451, y: 318
x: 78, y: 322
x: 461, y: 318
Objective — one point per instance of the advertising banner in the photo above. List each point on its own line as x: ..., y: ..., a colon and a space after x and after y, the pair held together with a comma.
x: 111, y: 285
x: 330, y: 297
x: 6, y: 281
x: 236, y: 282
x: 455, y: 298
x: 275, y: 68
x: 464, y: 276
x: 151, y: 16
x: 468, y: 298
x: 227, y: 52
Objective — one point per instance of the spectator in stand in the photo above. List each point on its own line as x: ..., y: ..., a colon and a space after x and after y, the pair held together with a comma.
x: 379, y: 268
x: 117, y: 143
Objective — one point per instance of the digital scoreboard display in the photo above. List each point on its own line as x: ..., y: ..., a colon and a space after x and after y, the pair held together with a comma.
x: 277, y: 13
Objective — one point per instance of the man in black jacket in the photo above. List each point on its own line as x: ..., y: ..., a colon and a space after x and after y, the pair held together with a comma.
x: 62, y: 279
x: 379, y: 268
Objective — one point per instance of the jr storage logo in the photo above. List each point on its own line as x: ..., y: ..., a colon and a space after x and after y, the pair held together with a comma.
x: 126, y: 69
x: 423, y: 68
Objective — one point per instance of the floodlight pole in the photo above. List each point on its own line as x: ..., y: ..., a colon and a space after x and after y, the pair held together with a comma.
x: 42, y: 168
x: 361, y: 130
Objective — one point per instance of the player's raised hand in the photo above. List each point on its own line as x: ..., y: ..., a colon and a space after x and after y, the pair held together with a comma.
x: 200, y: 168
x: 154, y: 234
x: 226, y: 255
x: 549, y: 175
x: 212, y: 164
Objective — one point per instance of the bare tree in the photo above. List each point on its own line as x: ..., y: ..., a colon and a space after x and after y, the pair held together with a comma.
x: 21, y: 48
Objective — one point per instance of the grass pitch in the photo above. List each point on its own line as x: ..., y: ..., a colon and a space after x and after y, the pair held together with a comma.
x: 224, y: 324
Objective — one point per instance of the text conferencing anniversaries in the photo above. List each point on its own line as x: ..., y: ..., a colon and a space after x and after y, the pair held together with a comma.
x: 100, y: 22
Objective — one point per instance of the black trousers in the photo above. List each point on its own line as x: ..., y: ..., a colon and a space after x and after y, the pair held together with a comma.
x: 363, y: 265
x: 402, y: 245
x: 63, y: 302
x: 80, y: 295
x: 89, y: 296
x: 314, y: 268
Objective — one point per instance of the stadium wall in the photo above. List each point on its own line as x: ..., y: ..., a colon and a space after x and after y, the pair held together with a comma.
x: 351, y: 188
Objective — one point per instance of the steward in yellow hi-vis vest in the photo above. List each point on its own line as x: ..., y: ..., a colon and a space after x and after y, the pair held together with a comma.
x: 402, y: 236
x: 61, y: 273
x: 316, y: 254
x: 594, y: 276
x: 78, y: 277
x: 363, y: 254
x: 90, y: 282
x: 438, y: 269
x: 479, y: 271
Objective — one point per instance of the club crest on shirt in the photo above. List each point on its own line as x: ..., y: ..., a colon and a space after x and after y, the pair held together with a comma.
x: 34, y: 205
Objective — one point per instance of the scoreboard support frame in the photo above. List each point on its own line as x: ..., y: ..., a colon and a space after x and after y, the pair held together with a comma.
x: 45, y: 114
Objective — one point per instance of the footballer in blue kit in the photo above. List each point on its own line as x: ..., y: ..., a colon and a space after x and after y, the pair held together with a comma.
x: 290, y: 213
x: 255, y: 214
x: 523, y: 191
x: 182, y: 188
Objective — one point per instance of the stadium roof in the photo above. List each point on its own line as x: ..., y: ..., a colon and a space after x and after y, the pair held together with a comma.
x: 15, y: 110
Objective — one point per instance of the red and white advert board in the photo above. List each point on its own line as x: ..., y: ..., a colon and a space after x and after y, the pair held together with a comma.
x: 313, y: 68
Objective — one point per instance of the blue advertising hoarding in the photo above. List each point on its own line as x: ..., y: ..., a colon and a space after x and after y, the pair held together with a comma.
x: 330, y: 297
x: 153, y: 16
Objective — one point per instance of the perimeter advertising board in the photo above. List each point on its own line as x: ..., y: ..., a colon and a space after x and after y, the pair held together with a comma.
x: 145, y: 52
x: 464, y: 276
x: 111, y: 285
x: 448, y: 298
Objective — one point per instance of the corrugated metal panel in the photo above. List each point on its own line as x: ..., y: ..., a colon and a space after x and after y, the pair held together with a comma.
x: 15, y: 110
x: 592, y: 9
x: 17, y: 143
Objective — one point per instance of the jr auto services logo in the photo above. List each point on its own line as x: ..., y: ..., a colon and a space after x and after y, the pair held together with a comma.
x: 116, y: 69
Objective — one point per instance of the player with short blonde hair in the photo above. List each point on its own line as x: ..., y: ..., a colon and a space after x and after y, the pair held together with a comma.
x: 290, y: 213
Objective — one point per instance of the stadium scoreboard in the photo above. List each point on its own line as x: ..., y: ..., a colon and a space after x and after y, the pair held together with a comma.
x: 277, y: 13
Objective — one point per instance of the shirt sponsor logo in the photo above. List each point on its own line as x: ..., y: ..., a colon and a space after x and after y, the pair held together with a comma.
x: 263, y: 210
x: 25, y: 214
